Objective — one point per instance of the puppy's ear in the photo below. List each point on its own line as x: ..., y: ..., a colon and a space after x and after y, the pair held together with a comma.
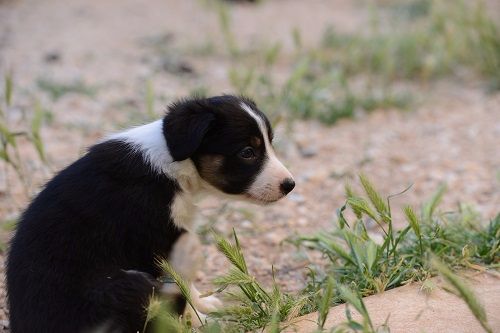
x: 184, y: 128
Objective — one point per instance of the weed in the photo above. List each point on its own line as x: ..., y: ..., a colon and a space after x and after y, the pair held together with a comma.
x: 222, y: 11
x: 409, y: 10
x: 311, y: 93
x: 150, y: 100
x: 6, y: 227
x: 257, y: 307
x: 57, y: 89
x: 348, y: 296
x: 10, y: 133
x: 200, y: 91
x: 225, y: 26
x: 324, y: 304
x: 9, y: 86
x: 241, y: 79
x: 205, y: 49
x: 29, y: 129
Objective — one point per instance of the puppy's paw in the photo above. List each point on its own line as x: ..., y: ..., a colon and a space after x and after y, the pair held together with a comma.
x: 203, y: 307
x: 204, y: 304
x: 208, y: 304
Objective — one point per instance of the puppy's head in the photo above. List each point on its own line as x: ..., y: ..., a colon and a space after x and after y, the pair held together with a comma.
x: 229, y: 141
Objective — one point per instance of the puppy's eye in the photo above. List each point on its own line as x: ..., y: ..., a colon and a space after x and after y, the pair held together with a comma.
x: 247, y: 153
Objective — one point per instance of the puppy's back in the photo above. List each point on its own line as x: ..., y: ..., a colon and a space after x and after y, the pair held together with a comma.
x: 105, y: 212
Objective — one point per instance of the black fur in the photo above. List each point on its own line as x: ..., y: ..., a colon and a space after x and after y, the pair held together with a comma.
x: 103, y: 215
x: 184, y: 128
x: 83, y: 255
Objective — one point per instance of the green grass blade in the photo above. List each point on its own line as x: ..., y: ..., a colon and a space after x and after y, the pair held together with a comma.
x: 431, y: 205
x: 150, y: 99
x: 464, y: 291
x: 274, y: 325
x: 36, y: 124
x: 324, y: 303
x: 179, y: 281
x: 371, y: 254
x: 9, y: 87
x: 330, y: 244
x: 350, y: 297
x: 6, y: 135
x: 341, y: 218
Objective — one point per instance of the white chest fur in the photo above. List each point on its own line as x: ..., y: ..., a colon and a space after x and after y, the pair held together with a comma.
x: 183, y: 208
x: 183, y: 211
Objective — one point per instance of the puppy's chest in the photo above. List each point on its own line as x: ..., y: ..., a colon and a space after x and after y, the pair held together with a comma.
x: 183, y: 211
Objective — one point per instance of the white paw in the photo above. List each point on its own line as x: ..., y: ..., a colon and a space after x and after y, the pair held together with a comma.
x: 209, y: 304
x: 204, y: 304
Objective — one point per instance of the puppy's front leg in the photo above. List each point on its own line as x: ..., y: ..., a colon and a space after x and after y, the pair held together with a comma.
x: 186, y: 259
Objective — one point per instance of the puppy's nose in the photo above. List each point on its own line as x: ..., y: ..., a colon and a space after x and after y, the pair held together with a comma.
x: 287, y: 185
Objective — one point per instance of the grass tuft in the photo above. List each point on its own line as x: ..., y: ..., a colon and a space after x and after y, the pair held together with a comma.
x: 355, y: 259
x: 28, y: 127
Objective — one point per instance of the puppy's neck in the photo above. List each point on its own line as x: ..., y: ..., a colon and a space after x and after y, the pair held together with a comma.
x: 149, y: 141
x: 186, y: 175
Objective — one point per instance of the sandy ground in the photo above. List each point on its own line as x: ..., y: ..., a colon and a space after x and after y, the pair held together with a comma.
x: 116, y: 46
x: 410, y: 309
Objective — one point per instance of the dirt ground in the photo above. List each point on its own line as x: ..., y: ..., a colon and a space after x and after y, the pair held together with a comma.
x: 112, y: 46
x: 409, y: 309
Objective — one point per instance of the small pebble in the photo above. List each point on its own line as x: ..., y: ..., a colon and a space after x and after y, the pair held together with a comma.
x: 246, y: 224
x: 52, y: 57
x: 308, y: 152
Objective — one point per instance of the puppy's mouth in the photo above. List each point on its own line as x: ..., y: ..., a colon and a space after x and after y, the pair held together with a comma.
x: 260, y: 200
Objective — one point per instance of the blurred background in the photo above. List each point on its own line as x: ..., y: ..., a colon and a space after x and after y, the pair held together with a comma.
x: 407, y: 92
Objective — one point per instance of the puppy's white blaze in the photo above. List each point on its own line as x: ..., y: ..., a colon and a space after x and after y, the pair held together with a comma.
x: 266, y: 186
x: 150, y: 141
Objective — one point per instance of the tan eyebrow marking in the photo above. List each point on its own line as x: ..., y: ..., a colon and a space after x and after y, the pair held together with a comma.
x: 255, y: 141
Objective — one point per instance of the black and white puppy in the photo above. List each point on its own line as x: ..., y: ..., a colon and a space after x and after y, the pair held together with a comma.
x: 83, y: 256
